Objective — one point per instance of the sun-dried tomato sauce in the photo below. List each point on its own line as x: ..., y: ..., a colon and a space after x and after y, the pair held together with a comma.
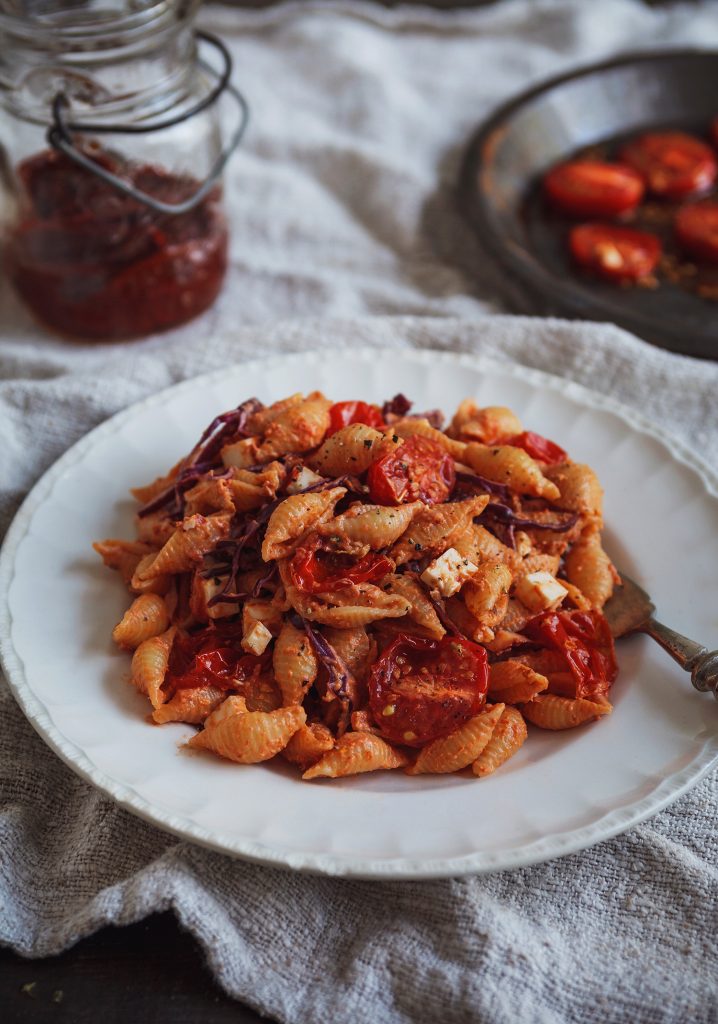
x: 93, y: 263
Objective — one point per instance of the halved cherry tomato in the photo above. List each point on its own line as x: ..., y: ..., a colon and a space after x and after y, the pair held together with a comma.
x: 342, y: 414
x: 421, y: 689
x: 673, y: 164
x: 419, y: 470
x: 213, y: 656
x: 696, y: 228
x: 593, y: 188
x: 584, y: 639
x: 616, y: 253
x: 314, y: 571
x: 538, y: 447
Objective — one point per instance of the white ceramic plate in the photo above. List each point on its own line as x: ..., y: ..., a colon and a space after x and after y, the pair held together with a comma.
x: 561, y: 793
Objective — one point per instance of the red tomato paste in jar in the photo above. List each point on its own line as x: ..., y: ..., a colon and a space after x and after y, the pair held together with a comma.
x: 94, y: 263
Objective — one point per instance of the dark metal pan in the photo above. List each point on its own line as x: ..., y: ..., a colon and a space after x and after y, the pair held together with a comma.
x: 510, y: 152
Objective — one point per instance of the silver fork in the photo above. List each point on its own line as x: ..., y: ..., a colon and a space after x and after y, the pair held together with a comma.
x: 630, y: 610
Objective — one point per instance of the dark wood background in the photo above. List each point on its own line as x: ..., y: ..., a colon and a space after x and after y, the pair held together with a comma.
x: 148, y: 972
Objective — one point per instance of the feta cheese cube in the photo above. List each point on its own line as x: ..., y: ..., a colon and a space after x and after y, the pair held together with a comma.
x: 540, y: 591
x: 304, y: 478
x: 256, y: 639
x: 448, y: 572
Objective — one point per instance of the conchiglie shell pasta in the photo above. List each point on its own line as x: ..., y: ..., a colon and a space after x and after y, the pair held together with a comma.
x: 509, y: 735
x: 250, y: 490
x: 147, y: 616
x: 149, y: 666
x: 157, y: 585
x: 467, y: 623
x: 352, y: 450
x: 422, y: 428
x: 486, y: 593
x: 551, y: 712
x: 249, y: 737
x: 155, y: 529
x: 294, y: 517
x: 579, y: 490
x: 511, y: 466
x: 421, y: 610
x: 369, y: 527
x: 354, y: 647
x: 350, y: 607
x: 208, y: 496
x: 460, y: 749
x: 122, y: 555
x: 259, y: 421
x: 488, y: 425
x: 188, y: 544
x: 512, y: 682
x: 297, y: 429
x: 294, y: 663
x: 435, y: 528
x: 308, y: 744
x: 191, y: 705
x: 357, y: 752
x: 589, y: 568
x: 478, y: 545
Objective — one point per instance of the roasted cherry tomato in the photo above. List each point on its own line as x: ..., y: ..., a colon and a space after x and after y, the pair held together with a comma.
x: 421, y: 689
x: 616, y: 253
x: 342, y: 414
x: 314, y: 571
x: 419, y: 469
x: 696, y: 228
x: 673, y: 164
x: 592, y: 188
x: 538, y: 447
x: 584, y: 639
x: 212, y: 657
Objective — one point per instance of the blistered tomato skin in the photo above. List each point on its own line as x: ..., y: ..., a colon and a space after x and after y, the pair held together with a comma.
x: 342, y: 414
x: 613, y: 252
x: 538, y: 447
x: 674, y: 165
x: 696, y: 228
x: 419, y: 470
x: 420, y: 690
x: 593, y: 188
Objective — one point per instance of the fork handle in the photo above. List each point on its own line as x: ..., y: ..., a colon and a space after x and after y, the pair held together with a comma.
x: 692, y: 657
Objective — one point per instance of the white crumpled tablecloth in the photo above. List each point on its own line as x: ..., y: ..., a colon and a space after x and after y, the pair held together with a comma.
x: 341, y: 206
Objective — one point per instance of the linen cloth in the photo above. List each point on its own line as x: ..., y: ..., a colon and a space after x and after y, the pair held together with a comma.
x: 341, y: 204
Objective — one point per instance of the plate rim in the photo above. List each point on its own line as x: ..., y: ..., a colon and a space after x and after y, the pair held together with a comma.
x: 568, y: 299
x: 556, y: 845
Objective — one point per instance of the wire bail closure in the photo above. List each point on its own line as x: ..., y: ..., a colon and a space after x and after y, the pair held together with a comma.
x: 59, y: 137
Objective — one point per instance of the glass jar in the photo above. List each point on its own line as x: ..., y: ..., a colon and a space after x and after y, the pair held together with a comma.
x: 111, y: 153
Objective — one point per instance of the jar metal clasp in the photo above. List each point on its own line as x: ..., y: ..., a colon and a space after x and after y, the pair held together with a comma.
x: 60, y: 138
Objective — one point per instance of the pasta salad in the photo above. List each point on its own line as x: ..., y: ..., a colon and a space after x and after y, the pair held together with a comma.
x: 356, y: 587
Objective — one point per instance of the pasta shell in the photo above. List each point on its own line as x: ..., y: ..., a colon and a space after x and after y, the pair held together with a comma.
x: 461, y: 748
x: 487, y: 593
x: 352, y: 450
x: 158, y: 585
x: 149, y: 665
x: 249, y: 737
x: 308, y: 744
x: 260, y: 420
x: 262, y: 693
x: 512, y: 682
x: 241, y: 454
x: 296, y: 429
x: 146, y: 617
x: 155, y: 529
x: 465, y: 622
x: 250, y: 490
x: 436, y: 527
x: 188, y: 544
x: 551, y: 712
x: 589, y: 568
x: 511, y: 466
x: 478, y: 545
x: 516, y: 616
x: 354, y: 647
x: 578, y: 489
x: 294, y: 663
x: 122, y: 555
x: 369, y: 527
x: 191, y: 705
x: 354, y: 753
x: 208, y: 496
x: 488, y: 425
x: 422, y: 428
x: 294, y: 517
x: 350, y: 607
x: 509, y: 735
x: 421, y: 610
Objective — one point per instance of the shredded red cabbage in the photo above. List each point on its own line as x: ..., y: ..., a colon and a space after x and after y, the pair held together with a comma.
x: 399, y: 406
x: 339, y: 678
x: 469, y: 480
x: 507, y: 517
